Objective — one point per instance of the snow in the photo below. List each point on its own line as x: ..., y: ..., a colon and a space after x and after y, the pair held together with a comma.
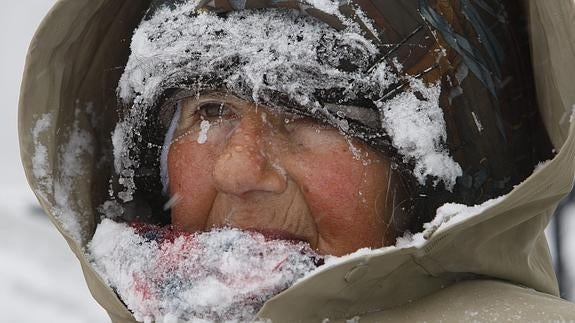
x: 541, y: 165
x: 70, y: 157
x: 40, y: 279
x: 448, y: 214
x: 327, y: 6
x: 224, y: 274
x: 258, y: 54
x: 275, y: 49
x: 417, y: 129
x: 203, y: 135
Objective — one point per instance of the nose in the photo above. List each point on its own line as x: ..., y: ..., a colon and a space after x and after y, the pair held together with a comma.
x: 246, y: 163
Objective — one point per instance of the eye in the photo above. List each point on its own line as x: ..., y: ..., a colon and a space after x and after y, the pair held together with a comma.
x: 215, y: 111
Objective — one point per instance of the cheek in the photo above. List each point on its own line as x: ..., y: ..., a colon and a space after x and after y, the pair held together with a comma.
x: 344, y: 196
x: 189, y: 171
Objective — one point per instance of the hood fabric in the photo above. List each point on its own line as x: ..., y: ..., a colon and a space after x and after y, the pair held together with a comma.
x: 68, y: 110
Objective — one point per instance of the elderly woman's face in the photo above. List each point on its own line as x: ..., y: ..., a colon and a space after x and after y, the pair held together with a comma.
x: 284, y: 176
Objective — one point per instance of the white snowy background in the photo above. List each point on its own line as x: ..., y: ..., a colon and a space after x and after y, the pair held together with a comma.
x: 40, y: 279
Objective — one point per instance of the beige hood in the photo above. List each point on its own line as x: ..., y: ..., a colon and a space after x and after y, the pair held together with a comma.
x: 74, y: 62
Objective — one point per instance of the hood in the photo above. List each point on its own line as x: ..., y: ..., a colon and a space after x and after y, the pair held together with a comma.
x: 68, y: 109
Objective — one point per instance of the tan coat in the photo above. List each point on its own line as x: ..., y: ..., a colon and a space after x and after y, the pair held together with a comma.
x: 494, y: 266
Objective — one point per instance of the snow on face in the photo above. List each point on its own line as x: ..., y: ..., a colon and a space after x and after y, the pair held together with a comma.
x: 221, y: 275
x: 257, y: 54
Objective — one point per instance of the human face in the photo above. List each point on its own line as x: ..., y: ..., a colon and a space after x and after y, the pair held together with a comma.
x: 284, y: 176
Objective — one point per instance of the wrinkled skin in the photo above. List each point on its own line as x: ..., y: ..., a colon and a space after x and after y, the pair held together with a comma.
x: 287, y: 177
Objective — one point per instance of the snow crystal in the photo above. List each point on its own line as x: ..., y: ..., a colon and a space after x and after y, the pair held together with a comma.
x: 203, y: 135
x: 122, y: 141
x: 224, y: 274
x: 409, y: 239
x: 417, y: 129
x: 40, y: 167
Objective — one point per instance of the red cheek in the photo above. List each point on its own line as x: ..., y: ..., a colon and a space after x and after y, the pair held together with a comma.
x: 189, y: 168
x: 332, y: 185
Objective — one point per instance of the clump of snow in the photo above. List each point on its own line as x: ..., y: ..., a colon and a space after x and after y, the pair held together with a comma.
x: 40, y: 168
x: 224, y: 274
x: 327, y: 6
x: 417, y: 129
x: 449, y: 213
x: 409, y: 239
x: 541, y: 165
x: 123, y: 141
x: 203, y: 135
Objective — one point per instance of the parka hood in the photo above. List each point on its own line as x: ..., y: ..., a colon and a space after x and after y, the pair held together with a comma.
x: 68, y: 109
